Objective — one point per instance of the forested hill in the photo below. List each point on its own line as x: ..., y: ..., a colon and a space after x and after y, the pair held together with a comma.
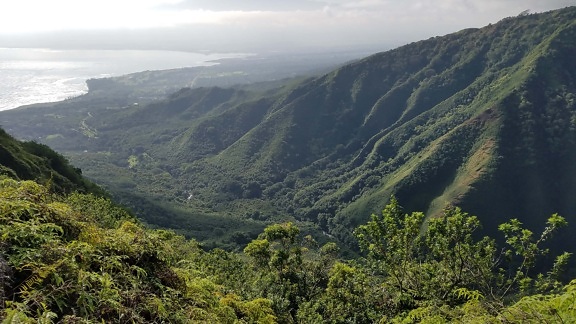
x: 80, y: 259
x: 33, y: 161
x: 482, y: 118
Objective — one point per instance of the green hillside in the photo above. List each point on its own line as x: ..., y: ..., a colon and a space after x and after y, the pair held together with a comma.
x: 73, y: 257
x: 483, y: 118
x: 34, y: 161
x: 80, y: 259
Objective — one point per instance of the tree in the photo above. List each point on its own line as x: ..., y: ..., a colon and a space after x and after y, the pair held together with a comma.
x: 442, y: 263
x: 290, y: 274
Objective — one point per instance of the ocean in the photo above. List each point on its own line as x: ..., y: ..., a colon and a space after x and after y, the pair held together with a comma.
x: 34, y: 75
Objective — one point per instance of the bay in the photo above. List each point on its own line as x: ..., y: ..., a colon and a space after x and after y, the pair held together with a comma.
x: 34, y: 75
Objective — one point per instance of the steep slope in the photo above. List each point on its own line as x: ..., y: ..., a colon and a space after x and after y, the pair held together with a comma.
x: 482, y: 118
x: 33, y: 161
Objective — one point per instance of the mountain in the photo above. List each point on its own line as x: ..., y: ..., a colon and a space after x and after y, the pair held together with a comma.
x: 484, y: 119
x: 34, y: 161
x: 71, y: 258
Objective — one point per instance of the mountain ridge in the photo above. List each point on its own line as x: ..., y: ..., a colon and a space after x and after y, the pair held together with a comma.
x: 34, y: 161
x: 482, y: 118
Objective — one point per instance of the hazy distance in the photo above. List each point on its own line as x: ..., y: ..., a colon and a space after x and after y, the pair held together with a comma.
x: 255, y: 26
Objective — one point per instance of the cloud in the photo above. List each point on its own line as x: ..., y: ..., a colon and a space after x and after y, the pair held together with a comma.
x: 249, y: 5
x: 28, y: 16
x: 246, y: 25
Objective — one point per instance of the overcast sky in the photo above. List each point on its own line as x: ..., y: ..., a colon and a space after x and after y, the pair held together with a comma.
x: 246, y: 25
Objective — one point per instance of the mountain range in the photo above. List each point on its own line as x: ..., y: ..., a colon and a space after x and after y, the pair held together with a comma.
x: 484, y: 119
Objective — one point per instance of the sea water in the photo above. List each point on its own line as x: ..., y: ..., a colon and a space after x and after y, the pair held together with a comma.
x: 34, y: 75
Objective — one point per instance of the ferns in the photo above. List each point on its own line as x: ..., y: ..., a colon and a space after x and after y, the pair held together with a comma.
x: 555, y: 308
x: 463, y: 293
x: 83, y: 258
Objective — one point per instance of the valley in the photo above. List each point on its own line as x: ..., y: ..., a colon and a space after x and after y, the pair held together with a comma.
x: 431, y: 183
x: 482, y: 119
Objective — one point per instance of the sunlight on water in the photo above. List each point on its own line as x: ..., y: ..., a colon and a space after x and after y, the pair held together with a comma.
x: 30, y: 76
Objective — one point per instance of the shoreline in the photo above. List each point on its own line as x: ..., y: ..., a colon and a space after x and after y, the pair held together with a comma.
x: 45, y: 75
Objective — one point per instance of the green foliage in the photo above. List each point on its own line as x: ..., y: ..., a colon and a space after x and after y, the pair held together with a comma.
x: 441, y: 262
x: 33, y: 161
x: 97, y: 209
x: 352, y: 295
x: 428, y: 262
x: 83, y: 258
x: 553, y: 308
x: 482, y: 119
x: 80, y: 258
x: 290, y: 270
x: 524, y: 252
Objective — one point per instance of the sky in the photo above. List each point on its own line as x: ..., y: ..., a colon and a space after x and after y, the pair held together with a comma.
x: 246, y: 25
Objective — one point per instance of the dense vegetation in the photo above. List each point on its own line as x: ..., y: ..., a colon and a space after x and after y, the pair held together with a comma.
x: 78, y: 258
x: 34, y: 161
x: 483, y: 119
x: 75, y: 257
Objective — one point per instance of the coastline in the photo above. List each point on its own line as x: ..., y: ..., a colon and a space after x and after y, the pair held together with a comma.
x: 39, y: 75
